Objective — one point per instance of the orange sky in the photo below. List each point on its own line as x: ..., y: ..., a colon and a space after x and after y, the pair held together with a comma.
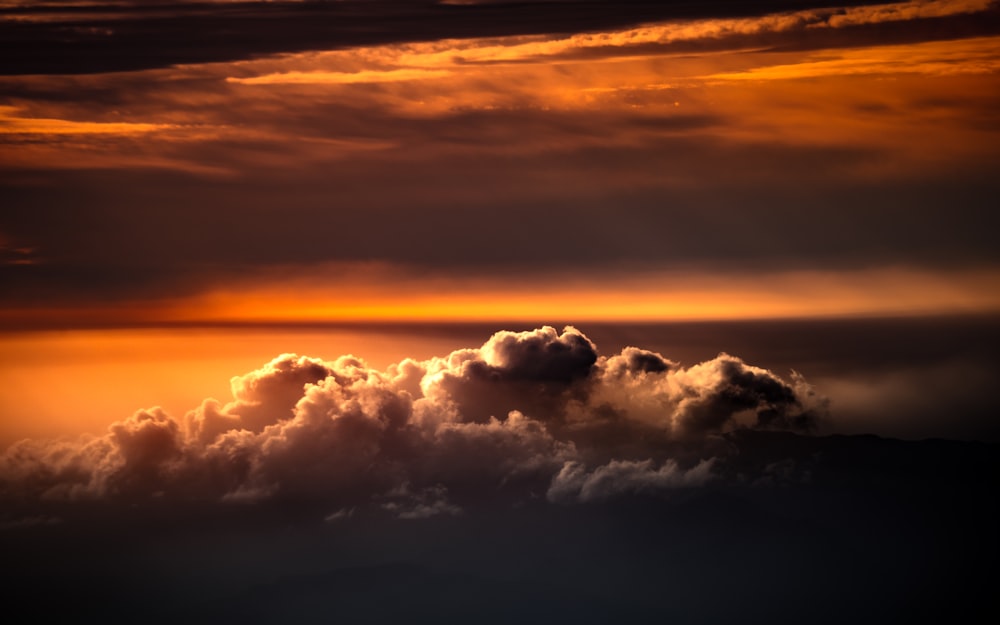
x: 61, y: 383
x: 382, y: 294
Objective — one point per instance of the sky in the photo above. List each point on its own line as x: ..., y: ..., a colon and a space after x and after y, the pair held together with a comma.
x: 370, y: 310
x: 403, y: 161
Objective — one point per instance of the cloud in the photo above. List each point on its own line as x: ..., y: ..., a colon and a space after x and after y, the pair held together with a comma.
x: 620, y: 477
x: 13, y: 123
x: 426, y: 503
x: 341, y: 78
x: 950, y: 58
x: 261, y: 397
x: 441, y: 57
x: 527, y: 415
x: 902, y: 11
x: 117, y: 38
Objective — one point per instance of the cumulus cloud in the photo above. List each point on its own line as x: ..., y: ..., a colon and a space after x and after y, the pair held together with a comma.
x: 261, y: 397
x: 537, y: 414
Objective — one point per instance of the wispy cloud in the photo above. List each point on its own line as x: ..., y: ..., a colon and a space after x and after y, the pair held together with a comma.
x: 970, y: 56
x: 455, y: 53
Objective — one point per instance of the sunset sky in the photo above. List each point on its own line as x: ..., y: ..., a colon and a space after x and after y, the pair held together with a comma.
x: 375, y: 260
x: 229, y: 161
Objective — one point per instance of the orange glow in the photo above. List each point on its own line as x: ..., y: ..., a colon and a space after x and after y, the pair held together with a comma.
x: 105, y: 375
x: 70, y: 382
x: 865, y: 97
x: 341, y: 78
x: 624, y: 298
x: 938, y: 58
x: 458, y: 53
x: 11, y: 123
x: 381, y: 294
x: 667, y: 119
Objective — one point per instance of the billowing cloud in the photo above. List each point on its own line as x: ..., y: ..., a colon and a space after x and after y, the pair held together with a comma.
x: 526, y: 415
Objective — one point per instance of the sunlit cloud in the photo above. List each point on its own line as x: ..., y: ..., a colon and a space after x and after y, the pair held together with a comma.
x: 902, y: 11
x: 13, y: 123
x: 341, y: 78
x: 514, y: 49
x: 399, y: 62
x: 970, y: 56
x: 272, y: 113
x: 518, y: 75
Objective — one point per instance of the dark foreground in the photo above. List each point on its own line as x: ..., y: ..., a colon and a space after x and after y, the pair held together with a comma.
x: 794, y: 530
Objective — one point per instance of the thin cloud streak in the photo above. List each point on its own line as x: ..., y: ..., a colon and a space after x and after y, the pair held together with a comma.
x: 970, y: 56
x: 341, y: 78
x: 640, y: 296
x: 107, y: 41
x: 13, y: 123
x: 385, y: 63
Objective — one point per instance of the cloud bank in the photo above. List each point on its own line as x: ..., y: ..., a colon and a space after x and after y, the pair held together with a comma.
x: 528, y: 415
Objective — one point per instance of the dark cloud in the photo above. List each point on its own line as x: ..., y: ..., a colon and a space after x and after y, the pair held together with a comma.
x: 95, y: 38
x: 789, y: 529
x: 227, y: 227
x: 526, y: 413
x: 429, y: 502
x: 623, y: 477
x: 530, y: 372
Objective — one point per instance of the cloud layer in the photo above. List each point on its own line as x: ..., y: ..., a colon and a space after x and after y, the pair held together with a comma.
x: 708, y: 126
x: 104, y: 37
x: 537, y: 414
